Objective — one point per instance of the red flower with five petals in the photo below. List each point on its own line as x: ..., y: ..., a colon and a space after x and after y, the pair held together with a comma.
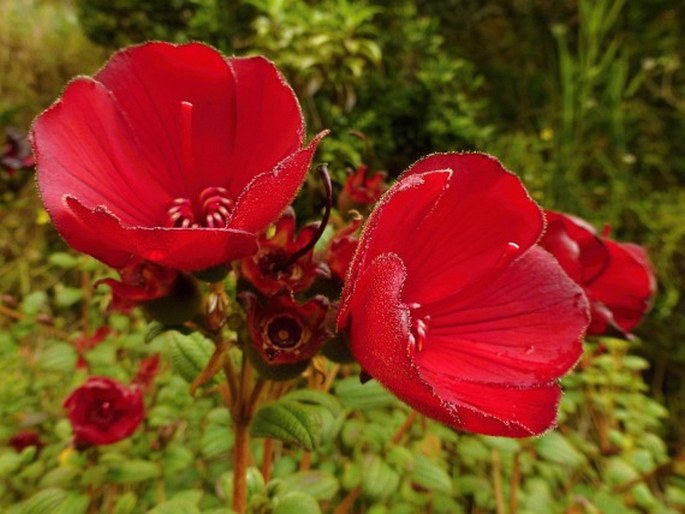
x: 450, y: 305
x: 104, y: 411
x: 270, y: 269
x: 617, y: 277
x: 171, y: 154
x: 284, y: 331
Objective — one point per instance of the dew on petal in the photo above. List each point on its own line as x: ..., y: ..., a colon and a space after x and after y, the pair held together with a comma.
x: 511, y: 251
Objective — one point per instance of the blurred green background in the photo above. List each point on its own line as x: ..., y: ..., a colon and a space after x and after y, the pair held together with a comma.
x: 584, y: 99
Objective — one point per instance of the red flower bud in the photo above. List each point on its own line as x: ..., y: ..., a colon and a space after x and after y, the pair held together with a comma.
x: 104, y: 411
x: 171, y: 154
x: 342, y: 247
x: 362, y: 188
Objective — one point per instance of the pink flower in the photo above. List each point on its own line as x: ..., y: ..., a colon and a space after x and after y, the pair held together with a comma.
x: 171, y: 154
x: 450, y: 304
x: 617, y: 277
x: 104, y: 411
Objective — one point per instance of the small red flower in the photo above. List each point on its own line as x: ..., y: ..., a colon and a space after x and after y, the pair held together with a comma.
x: 171, y: 154
x: 617, y: 277
x: 450, y: 305
x: 362, y: 188
x: 24, y: 439
x: 285, y: 332
x: 104, y: 411
x: 141, y: 281
x: 342, y: 247
x: 270, y: 270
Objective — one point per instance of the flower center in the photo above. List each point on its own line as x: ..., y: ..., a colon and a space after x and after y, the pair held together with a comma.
x: 284, y: 332
x: 419, y: 333
x: 213, y: 210
x: 103, y: 414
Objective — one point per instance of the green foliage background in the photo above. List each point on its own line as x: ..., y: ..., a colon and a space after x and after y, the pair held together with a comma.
x: 584, y: 99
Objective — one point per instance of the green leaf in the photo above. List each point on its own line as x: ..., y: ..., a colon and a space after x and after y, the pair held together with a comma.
x: 316, y: 398
x: 296, y: 503
x: 318, y: 484
x: 216, y: 440
x: 358, y: 396
x: 60, y: 357
x: 63, y: 260
x: 73, y: 504
x: 429, y: 475
x: 176, y: 459
x: 175, y: 507
x: 189, y: 354
x: 288, y: 421
x: 62, y: 476
x: 47, y: 500
x: 68, y: 296
x: 9, y: 463
x: 555, y: 448
x: 133, y: 471
x: 34, y: 302
x: 126, y: 503
x: 379, y: 480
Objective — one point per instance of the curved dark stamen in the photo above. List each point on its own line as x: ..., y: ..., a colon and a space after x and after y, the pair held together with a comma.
x: 326, y: 178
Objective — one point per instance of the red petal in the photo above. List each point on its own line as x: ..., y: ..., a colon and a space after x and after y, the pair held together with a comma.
x: 379, y: 330
x: 484, y: 219
x: 627, y: 286
x: 183, y: 249
x: 500, y: 410
x: 84, y: 146
x: 404, y: 205
x: 380, y: 341
x: 523, y: 328
x: 269, y: 193
x: 268, y: 117
x: 576, y: 245
x: 150, y: 81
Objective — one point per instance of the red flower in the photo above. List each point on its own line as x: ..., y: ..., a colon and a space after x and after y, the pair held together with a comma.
x: 171, y: 154
x: 140, y: 282
x: 269, y: 269
x: 362, y: 188
x: 283, y: 331
x: 24, y: 439
x: 617, y: 277
x: 342, y: 247
x: 450, y: 305
x: 104, y: 411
